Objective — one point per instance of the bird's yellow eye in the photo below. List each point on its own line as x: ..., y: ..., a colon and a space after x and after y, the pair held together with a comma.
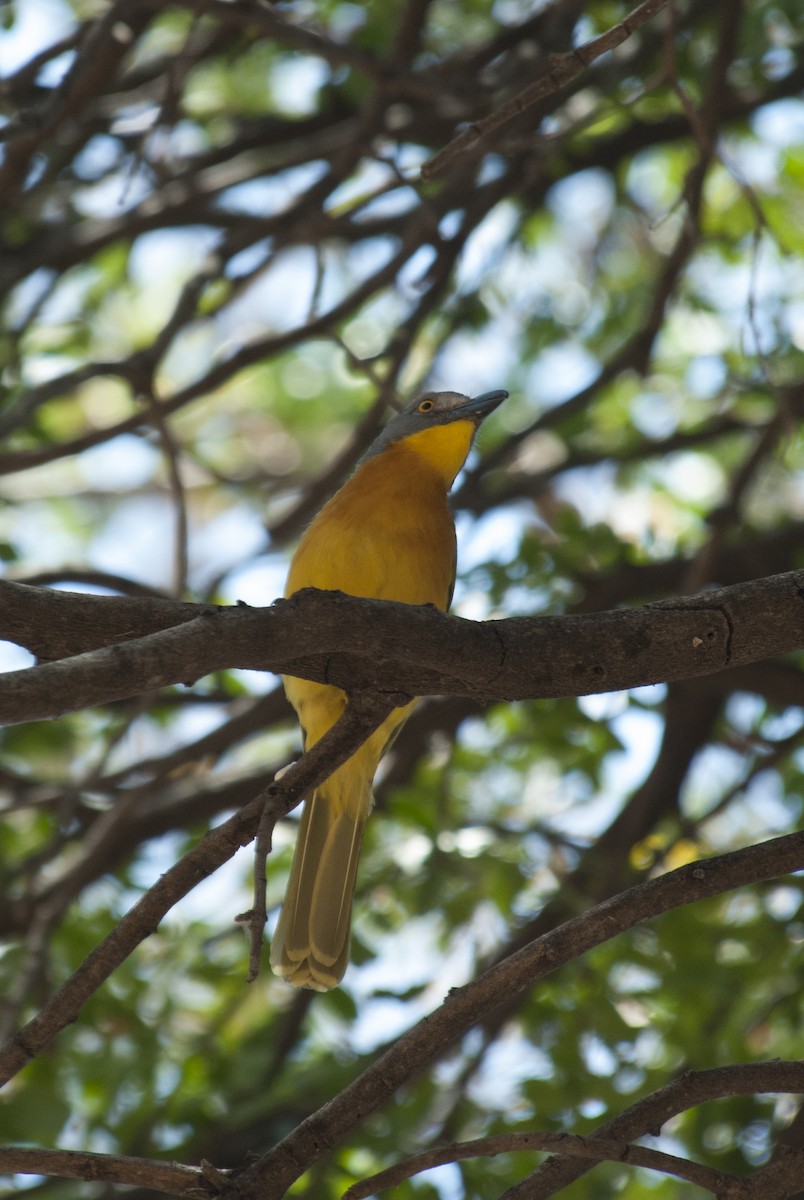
x: 425, y: 406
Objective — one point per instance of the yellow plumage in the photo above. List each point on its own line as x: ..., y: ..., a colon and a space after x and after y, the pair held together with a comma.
x: 387, y: 534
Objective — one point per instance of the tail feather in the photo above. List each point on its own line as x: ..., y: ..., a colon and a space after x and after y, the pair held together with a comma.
x: 311, y: 945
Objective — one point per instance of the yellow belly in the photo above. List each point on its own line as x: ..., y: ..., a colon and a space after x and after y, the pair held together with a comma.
x: 387, y: 534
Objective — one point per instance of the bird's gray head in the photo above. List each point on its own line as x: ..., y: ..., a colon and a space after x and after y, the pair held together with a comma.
x: 435, y: 408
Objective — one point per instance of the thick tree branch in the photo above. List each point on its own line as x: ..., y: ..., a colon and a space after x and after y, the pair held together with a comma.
x: 375, y: 645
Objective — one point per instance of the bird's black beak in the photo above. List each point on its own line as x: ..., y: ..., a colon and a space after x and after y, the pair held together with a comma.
x: 479, y: 407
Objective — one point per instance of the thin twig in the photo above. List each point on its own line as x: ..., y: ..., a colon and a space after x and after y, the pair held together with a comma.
x: 563, y: 69
x: 364, y: 713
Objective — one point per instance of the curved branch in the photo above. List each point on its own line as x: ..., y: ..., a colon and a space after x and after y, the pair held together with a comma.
x: 648, y: 1114
x: 571, y: 1144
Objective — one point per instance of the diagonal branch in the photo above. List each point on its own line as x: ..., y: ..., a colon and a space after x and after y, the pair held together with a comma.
x: 464, y: 1007
x: 562, y: 70
x: 217, y: 847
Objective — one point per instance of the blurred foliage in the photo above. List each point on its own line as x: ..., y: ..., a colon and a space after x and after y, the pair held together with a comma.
x: 219, y: 270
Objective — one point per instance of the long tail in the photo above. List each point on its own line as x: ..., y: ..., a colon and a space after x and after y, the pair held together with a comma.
x: 311, y: 945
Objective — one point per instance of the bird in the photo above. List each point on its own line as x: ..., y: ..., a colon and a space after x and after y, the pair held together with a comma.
x: 387, y: 534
